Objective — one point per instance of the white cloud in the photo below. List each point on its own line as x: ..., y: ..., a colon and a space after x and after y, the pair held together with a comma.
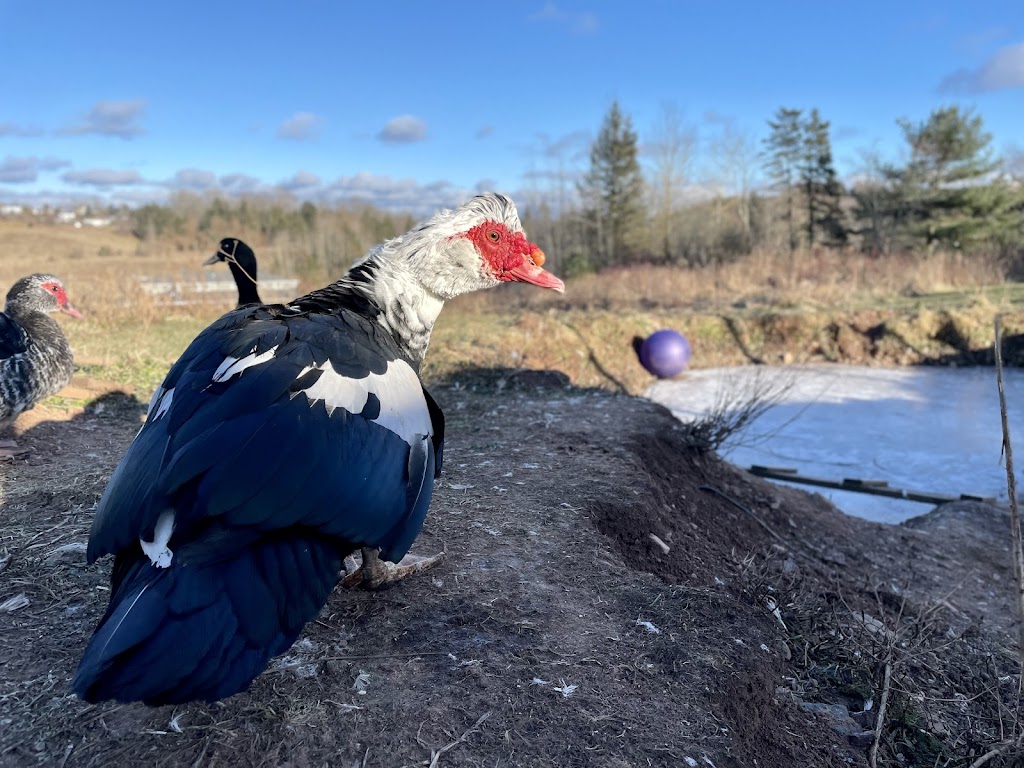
x: 585, y: 23
x: 1003, y: 71
x: 404, y: 129
x: 574, y: 146
x: 51, y: 197
x: 129, y: 187
x: 21, y: 170
x: 243, y: 184
x: 550, y: 12
x: 559, y: 152
x: 136, y: 196
x: 302, y: 126
x: 110, y: 118
x: 394, y: 194
x: 194, y: 180
x: 15, y: 129
x: 103, y: 177
x: 303, y: 181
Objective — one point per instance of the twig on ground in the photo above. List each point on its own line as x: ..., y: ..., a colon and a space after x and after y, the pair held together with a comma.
x: 383, y: 656
x: 435, y: 756
x: 882, y: 706
x: 998, y: 750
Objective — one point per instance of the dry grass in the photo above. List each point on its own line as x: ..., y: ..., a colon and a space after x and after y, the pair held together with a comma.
x: 732, y: 314
x: 776, y: 279
x: 102, y: 268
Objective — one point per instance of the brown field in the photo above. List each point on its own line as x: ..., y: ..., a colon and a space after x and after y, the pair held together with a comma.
x: 768, y: 307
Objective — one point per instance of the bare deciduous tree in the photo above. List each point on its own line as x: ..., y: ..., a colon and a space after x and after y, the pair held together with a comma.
x: 735, y: 157
x: 669, y: 155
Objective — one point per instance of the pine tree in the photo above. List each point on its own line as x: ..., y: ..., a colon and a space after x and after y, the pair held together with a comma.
x: 822, y: 191
x: 784, y: 151
x: 613, y: 191
x: 948, y: 191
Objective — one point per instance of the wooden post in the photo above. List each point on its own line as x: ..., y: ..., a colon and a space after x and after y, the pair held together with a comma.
x: 1011, y: 489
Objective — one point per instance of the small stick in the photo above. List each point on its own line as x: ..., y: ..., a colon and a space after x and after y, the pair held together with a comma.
x: 1011, y: 489
x: 436, y: 755
x: 998, y: 750
x: 883, y: 705
x: 382, y: 656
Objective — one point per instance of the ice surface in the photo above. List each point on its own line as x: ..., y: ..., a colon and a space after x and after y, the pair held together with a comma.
x: 923, y: 428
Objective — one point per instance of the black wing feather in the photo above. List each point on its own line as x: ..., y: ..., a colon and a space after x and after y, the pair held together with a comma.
x: 13, y: 340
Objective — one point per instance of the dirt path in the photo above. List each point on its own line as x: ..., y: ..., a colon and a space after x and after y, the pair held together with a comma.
x: 558, y: 632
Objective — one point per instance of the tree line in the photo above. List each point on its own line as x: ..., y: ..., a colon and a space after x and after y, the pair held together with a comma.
x: 624, y: 200
x: 636, y: 203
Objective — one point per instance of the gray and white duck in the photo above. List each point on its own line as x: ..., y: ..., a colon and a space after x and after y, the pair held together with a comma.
x: 35, y: 358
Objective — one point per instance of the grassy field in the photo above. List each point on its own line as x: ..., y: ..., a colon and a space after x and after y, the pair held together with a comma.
x: 774, y: 308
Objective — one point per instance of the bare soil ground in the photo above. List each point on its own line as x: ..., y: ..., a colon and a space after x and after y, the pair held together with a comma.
x: 558, y: 632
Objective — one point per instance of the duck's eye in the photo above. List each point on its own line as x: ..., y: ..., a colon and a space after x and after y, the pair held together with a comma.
x: 494, y: 236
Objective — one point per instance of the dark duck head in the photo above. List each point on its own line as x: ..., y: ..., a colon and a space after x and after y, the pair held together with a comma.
x: 35, y: 358
x: 242, y: 262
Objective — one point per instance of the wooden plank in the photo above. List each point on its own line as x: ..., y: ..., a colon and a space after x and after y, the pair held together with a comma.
x: 856, y: 485
x: 757, y: 469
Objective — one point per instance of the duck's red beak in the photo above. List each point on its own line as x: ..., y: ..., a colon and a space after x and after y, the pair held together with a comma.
x: 530, y: 272
x: 67, y: 309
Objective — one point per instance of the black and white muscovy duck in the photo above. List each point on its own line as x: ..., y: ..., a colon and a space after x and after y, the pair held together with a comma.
x: 35, y: 357
x: 284, y: 439
x: 242, y: 262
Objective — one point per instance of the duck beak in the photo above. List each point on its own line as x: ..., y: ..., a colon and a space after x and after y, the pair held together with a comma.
x: 530, y: 272
x: 67, y: 309
x: 212, y: 260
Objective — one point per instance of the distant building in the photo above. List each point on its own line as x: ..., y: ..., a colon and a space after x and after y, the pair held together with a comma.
x: 66, y: 217
x: 95, y: 221
x: 11, y: 210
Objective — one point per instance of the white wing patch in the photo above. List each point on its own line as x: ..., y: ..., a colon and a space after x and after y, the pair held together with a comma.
x: 403, y: 409
x: 160, y: 404
x: 235, y: 365
x: 156, y: 550
x: 154, y: 400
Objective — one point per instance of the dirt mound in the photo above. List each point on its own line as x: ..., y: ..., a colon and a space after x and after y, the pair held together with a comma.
x: 558, y: 632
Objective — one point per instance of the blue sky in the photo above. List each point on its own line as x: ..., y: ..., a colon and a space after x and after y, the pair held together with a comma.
x: 417, y: 104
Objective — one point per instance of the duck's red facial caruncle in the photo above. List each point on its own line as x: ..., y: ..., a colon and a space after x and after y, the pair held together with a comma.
x: 510, y: 256
x: 58, y: 292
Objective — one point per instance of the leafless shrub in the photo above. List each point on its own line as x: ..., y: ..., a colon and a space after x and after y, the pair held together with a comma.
x: 737, y: 406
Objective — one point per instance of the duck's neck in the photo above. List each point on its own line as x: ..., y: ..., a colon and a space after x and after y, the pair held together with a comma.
x: 384, y: 289
x: 245, y: 279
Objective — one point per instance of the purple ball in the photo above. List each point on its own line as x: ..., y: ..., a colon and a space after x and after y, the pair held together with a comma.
x: 665, y: 353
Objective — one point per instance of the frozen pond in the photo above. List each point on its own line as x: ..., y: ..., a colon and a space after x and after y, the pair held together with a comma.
x: 923, y: 429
